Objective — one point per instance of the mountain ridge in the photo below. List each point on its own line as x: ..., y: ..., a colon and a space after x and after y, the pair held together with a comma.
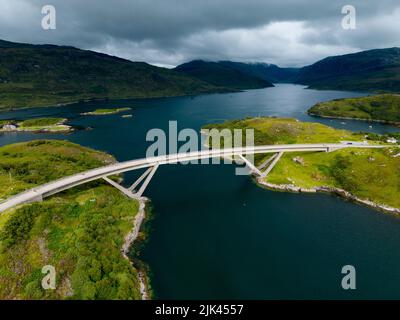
x: 223, y: 75
x: 370, y: 70
x: 267, y: 71
x: 42, y: 75
x: 34, y: 75
x: 375, y: 70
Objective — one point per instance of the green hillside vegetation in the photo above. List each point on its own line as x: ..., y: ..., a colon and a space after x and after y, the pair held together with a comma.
x: 24, y: 165
x: 222, y: 75
x: 370, y: 174
x: 42, y: 75
x: 384, y: 107
x: 375, y: 70
x: 80, y: 232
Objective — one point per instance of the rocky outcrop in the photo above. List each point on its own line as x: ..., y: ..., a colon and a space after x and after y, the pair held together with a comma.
x: 332, y: 190
x: 348, y: 195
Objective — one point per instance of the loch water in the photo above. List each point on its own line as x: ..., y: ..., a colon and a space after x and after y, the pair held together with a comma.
x: 216, y: 235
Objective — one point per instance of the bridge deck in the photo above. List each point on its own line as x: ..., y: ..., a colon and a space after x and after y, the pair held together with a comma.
x: 65, y: 183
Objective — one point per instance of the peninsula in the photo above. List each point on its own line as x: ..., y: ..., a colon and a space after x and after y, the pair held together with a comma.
x: 383, y: 108
x: 368, y: 176
x: 80, y: 232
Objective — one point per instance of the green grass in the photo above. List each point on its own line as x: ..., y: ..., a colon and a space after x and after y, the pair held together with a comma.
x: 80, y: 232
x: 287, y: 131
x: 80, y: 235
x: 370, y: 174
x: 41, y: 122
x: 107, y: 111
x: 23, y: 165
x: 384, y: 107
x: 4, y: 122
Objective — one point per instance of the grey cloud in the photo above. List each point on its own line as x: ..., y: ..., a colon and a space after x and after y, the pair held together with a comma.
x: 168, y: 32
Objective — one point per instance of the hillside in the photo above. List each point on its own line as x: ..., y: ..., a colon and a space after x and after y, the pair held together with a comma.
x: 42, y: 75
x: 39, y: 75
x: 222, y: 75
x: 266, y: 71
x: 373, y: 70
x: 80, y: 232
x: 384, y: 107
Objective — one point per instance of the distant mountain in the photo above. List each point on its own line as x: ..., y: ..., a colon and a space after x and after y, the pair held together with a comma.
x: 37, y: 75
x: 266, y: 71
x: 372, y: 70
x: 222, y: 74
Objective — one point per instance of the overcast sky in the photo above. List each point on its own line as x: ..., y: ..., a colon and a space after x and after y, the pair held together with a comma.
x: 169, y: 32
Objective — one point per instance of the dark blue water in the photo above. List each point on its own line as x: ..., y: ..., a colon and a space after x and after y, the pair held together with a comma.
x: 217, y: 235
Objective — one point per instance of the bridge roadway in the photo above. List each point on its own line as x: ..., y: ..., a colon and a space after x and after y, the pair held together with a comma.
x: 56, y: 186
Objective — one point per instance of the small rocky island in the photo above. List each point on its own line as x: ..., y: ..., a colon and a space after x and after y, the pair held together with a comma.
x: 102, y: 112
x: 55, y: 125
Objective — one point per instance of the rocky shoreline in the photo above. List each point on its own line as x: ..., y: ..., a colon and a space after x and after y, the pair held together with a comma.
x: 129, y: 239
x: 394, y: 123
x: 332, y: 190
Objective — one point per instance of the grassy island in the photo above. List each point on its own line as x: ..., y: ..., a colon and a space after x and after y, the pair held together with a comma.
x: 80, y: 232
x: 36, y: 125
x: 102, y: 112
x: 381, y: 108
x: 371, y: 176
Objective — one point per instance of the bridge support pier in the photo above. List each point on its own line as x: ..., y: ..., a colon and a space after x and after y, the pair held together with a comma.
x: 266, y: 162
x: 131, y: 191
x: 252, y: 167
x: 120, y: 188
x: 276, y: 158
x: 331, y: 149
x: 140, y: 179
x: 39, y: 198
x: 147, y: 181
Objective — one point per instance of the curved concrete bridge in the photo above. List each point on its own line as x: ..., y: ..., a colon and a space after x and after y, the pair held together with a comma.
x: 152, y: 163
